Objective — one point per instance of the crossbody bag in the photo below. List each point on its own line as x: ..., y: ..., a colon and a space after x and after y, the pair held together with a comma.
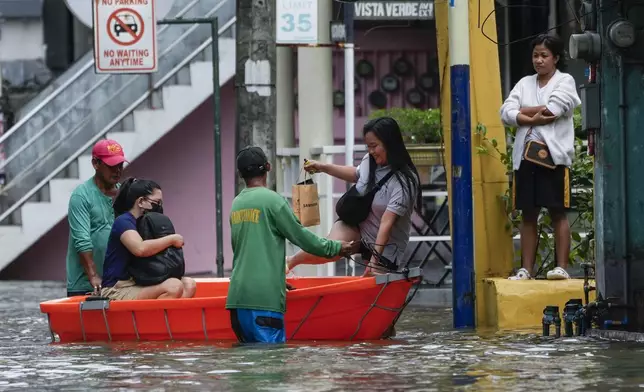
x: 353, y: 208
x: 538, y: 153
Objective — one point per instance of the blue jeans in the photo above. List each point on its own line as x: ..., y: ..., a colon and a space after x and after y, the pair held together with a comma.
x: 258, y: 326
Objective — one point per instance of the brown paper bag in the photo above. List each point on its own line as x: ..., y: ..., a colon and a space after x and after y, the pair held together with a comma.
x: 306, y: 202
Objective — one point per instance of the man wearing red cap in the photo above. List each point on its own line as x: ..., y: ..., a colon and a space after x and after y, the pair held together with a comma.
x: 90, y: 215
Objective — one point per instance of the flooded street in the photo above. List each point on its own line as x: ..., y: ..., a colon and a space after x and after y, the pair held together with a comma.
x: 426, y: 355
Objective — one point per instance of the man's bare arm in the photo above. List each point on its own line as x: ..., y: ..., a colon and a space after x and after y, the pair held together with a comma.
x: 87, y: 261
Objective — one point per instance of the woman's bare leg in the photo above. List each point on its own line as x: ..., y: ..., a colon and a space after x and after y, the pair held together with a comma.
x: 189, y: 287
x: 340, y: 231
x: 170, y: 288
x: 529, y: 233
x: 562, y: 236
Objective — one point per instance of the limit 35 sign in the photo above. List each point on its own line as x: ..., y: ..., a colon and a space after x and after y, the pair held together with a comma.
x: 297, y: 21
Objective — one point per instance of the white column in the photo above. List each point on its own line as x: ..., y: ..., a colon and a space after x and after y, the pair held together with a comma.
x: 315, y: 110
x: 285, y: 137
x: 349, y: 104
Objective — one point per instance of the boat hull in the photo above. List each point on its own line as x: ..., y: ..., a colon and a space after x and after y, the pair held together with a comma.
x: 320, y: 308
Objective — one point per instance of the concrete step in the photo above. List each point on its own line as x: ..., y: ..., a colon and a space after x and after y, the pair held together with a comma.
x: 136, y: 133
x: 39, y: 217
x: 60, y: 189
x: 9, y: 231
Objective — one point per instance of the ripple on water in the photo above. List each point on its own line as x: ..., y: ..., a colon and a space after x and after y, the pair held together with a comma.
x: 426, y: 355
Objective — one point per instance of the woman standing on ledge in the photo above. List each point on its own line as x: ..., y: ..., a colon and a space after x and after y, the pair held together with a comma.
x: 541, y: 107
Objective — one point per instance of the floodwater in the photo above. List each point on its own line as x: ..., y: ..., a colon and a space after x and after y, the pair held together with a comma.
x: 426, y: 355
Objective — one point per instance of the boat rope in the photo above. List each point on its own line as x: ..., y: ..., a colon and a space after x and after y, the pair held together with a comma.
x: 409, y: 299
x: 136, y: 330
x: 416, y: 287
x: 373, y: 305
x: 82, y: 324
x: 306, y: 317
x: 167, y: 323
x: 51, y: 331
x: 203, y: 323
x: 386, y: 264
x: 107, y: 326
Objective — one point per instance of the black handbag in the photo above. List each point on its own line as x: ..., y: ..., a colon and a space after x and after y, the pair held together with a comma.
x: 169, y: 263
x: 353, y: 208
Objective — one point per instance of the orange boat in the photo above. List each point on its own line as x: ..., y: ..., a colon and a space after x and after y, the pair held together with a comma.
x: 319, y: 308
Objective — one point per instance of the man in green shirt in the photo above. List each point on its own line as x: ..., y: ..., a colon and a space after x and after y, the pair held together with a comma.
x: 261, y: 221
x: 90, y: 216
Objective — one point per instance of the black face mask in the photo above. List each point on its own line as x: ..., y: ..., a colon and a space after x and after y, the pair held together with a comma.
x: 156, y: 208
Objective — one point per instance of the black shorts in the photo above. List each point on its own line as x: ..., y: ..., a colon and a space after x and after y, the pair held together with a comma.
x: 535, y: 186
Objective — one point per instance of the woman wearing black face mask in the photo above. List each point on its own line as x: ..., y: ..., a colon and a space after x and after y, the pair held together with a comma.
x: 157, y: 206
x: 137, y: 197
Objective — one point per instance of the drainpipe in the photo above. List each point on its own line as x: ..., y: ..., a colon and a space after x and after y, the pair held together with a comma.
x: 507, y: 65
x: 623, y: 184
x: 552, y: 17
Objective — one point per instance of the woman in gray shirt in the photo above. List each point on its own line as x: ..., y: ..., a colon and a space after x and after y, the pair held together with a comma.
x: 387, y: 228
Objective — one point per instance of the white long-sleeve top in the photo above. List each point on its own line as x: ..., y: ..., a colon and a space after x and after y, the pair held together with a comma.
x: 561, y: 98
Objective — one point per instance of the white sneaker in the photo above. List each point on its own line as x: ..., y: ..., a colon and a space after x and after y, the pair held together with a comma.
x: 522, y: 274
x: 557, y: 273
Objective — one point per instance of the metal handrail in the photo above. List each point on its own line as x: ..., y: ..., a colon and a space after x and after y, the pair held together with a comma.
x: 35, y: 137
x: 87, y: 118
x: 116, y: 120
x: 75, y: 77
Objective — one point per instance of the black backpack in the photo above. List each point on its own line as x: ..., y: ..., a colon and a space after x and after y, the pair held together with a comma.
x: 151, y: 270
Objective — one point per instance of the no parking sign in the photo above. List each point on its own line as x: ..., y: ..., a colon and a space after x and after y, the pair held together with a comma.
x: 125, y: 36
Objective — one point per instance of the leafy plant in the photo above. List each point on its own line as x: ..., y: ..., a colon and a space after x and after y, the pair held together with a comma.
x: 581, y: 216
x: 419, y: 126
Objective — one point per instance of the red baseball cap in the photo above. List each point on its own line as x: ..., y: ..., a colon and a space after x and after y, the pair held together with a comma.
x: 109, y: 151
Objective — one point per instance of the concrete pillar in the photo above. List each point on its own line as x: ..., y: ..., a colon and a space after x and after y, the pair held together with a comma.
x: 315, y: 108
x: 493, y: 246
x: 254, y: 80
x: 285, y: 135
x: 552, y: 17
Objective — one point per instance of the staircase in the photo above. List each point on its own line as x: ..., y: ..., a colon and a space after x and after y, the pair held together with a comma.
x: 48, y: 149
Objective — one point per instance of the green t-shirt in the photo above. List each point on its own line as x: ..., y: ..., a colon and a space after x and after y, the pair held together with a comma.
x: 261, y: 220
x: 90, y: 216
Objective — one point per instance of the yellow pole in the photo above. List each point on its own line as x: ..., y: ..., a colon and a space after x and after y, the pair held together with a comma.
x: 493, y: 246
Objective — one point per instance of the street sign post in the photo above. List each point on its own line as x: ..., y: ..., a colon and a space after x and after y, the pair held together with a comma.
x: 125, y: 38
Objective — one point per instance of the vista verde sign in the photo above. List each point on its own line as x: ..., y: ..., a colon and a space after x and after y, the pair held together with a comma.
x: 393, y: 10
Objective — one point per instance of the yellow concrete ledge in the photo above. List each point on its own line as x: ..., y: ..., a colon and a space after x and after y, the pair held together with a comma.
x: 519, y: 304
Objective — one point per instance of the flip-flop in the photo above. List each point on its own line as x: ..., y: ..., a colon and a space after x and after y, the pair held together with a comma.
x: 522, y: 274
x: 557, y: 273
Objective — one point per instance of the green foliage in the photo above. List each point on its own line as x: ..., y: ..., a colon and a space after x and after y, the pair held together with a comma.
x: 582, y: 213
x: 419, y: 126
